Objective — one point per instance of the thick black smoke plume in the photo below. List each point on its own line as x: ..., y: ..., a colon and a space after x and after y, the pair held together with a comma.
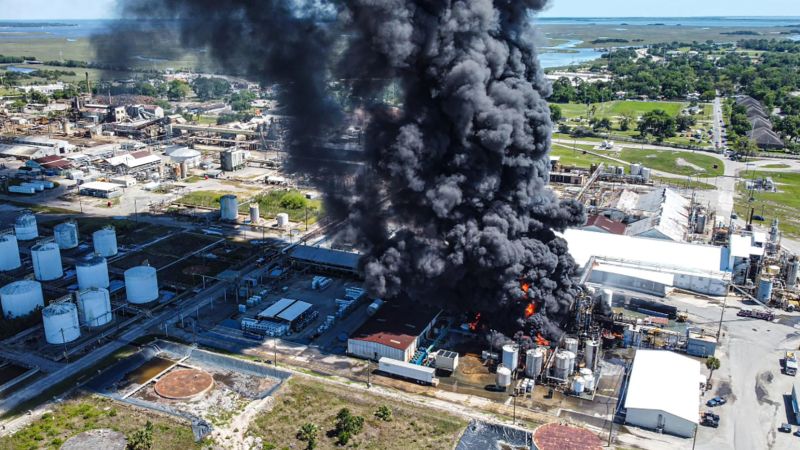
x: 452, y: 206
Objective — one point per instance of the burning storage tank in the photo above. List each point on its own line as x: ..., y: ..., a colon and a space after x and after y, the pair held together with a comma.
x: 105, y: 241
x: 9, y: 252
x: 92, y: 273
x: 46, y: 261
x: 21, y: 298
x: 503, y: 376
x: 95, y: 307
x: 229, y: 208
x: 534, y: 359
x: 61, y: 323
x: 25, y: 227
x: 141, y: 284
x: 66, y: 235
x: 510, y: 356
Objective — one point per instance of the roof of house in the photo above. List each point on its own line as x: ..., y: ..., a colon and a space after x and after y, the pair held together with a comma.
x: 764, y: 137
x: 753, y: 111
x: 605, y: 224
x: 397, y: 324
x: 665, y: 381
x: 746, y: 100
x: 760, y: 122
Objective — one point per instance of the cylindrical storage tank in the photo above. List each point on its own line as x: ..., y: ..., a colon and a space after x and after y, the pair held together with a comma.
x: 9, y: 252
x: 636, y: 169
x: 591, y: 350
x: 21, y: 298
x: 61, y: 323
x: 95, y: 307
x: 255, y: 214
x: 46, y: 261
x: 66, y: 235
x: 534, y: 359
x: 792, y: 270
x: 571, y: 344
x: 562, y: 364
x: 229, y: 207
x: 25, y: 227
x: 503, y: 376
x: 141, y: 284
x: 92, y: 273
x: 578, y: 385
x: 283, y: 220
x: 589, y: 382
x: 571, y: 361
x: 700, y: 224
x: 105, y: 241
x: 645, y: 173
x: 764, y: 289
x: 608, y: 297
x: 510, y: 356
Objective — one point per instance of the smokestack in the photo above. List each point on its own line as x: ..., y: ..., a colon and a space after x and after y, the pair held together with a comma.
x: 452, y: 205
x: 88, y: 84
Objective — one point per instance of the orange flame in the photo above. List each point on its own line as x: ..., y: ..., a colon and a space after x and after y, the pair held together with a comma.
x: 525, y: 287
x: 474, y: 324
x: 530, y: 310
x: 542, y: 341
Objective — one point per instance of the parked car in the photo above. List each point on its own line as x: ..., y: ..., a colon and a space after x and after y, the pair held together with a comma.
x: 785, y: 428
x: 797, y: 433
x: 716, y: 401
x: 758, y: 217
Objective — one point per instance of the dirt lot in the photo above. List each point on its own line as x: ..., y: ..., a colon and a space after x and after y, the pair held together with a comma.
x: 301, y: 401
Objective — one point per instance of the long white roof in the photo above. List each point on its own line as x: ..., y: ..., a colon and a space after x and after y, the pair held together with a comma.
x: 659, y: 253
x: 665, y: 381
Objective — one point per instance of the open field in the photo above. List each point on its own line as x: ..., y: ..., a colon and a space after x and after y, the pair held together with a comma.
x: 677, y: 162
x: 783, y: 205
x: 571, y: 157
x: 274, y: 202
x: 92, y: 412
x: 303, y: 401
x: 683, y: 183
x: 619, y: 107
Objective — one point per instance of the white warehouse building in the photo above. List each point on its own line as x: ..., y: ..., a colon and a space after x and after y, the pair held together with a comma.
x: 393, y: 332
x: 664, y: 393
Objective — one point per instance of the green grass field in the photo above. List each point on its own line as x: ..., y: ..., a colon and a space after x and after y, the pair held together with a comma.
x: 91, y: 412
x: 570, y: 157
x: 677, y: 162
x: 270, y: 204
x: 207, y: 199
x: 783, y: 205
x: 617, y: 108
x: 301, y: 401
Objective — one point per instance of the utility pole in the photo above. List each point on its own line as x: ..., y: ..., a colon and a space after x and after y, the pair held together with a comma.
x: 724, y: 304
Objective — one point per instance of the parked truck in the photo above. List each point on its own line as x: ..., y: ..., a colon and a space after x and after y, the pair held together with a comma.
x: 414, y: 372
x: 790, y: 364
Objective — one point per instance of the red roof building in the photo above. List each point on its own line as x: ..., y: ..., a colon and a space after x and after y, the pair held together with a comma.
x: 603, y: 224
x: 393, y: 332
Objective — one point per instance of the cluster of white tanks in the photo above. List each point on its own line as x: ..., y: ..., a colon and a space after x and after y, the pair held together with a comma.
x: 66, y: 235
x: 46, y: 258
x: 21, y: 298
x: 105, y: 241
x: 141, y: 284
x: 9, y: 252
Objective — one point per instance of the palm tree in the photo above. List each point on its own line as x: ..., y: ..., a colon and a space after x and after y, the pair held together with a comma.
x: 308, y: 433
x: 712, y: 364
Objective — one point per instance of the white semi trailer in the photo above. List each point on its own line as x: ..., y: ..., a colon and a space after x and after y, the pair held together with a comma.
x: 420, y: 374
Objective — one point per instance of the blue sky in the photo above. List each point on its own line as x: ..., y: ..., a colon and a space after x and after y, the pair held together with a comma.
x: 90, y: 9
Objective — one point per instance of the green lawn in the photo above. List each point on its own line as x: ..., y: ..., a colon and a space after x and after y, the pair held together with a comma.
x: 91, y: 412
x: 302, y: 401
x: 208, y: 199
x: 617, y: 108
x: 576, y: 158
x: 273, y: 202
x: 783, y: 205
x: 675, y: 161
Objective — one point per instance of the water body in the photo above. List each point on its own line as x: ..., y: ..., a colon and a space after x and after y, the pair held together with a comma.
x: 567, y: 54
x: 710, y: 22
x: 20, y: 69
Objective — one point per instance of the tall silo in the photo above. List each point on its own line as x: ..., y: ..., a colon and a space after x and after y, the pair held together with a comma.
x: 46, y: 259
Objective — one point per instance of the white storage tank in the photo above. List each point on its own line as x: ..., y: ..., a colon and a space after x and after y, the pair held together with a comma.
x: 578, y: 384
x: 636, y: 169
x: 25, y: 227
x: 229, y: 207
x: 66, y: 235
x: 92, y: 273
x: 21, y: 298
x: 95, y: 307
x: 591, y: 351
x: 9, y: 252
x: 503, y: 376
x: 105, y: 241
x: 61, y: 323
x: 255, y: 214
x: 534, y: 359
x: 607, y: 296
x: 645, y: 173
x: 141, y: 284
x: 589, y: 382
x: 565, y: 364
x: 571, y: 345
x: 46, y: 259
x: 510, y: 356
x: 283, y: 220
